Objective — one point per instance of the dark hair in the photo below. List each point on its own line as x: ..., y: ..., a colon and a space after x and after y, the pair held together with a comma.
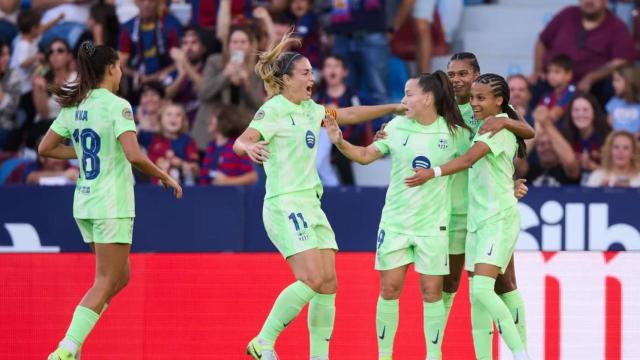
x: 518, y: 76
x: 500, y: 88
x: 105, y: 15
x: 232, y: 120
x: 27, y: 20
x: 439, y: 85
x: 153, y: 85
x: 470, y: 57
x: 275, y: 63
x: 282, y: 18
x: 562, y: 61
x: 92, y: 66
x: 340, y: 59
x: 631, y: 75
x: 49, y: 76
x: 600, y: 125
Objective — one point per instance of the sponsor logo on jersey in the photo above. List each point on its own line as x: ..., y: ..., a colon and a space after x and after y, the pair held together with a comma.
x: 421, y: 162
x: 310, y: 139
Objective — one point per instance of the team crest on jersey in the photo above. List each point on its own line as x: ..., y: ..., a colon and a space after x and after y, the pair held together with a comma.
x: 259, y: 115
x: 310, y: 139
x: 127, y: 114
x: 443, y: 144
x: 474, y: 123
x: 421, y: 162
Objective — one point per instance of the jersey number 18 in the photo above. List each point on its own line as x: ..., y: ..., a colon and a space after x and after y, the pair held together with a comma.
x: 89, y: 141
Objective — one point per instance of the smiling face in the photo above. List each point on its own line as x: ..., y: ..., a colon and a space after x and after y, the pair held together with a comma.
x: 519, y: 90
x: 483, y: 102
x: 461, y: 74
x: 172, y: 119
x: 299, y: 84
x: 582, y: 114
x: 622, y: 150
x: 415, y: 99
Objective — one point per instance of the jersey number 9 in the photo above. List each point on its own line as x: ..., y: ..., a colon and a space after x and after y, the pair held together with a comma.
x: 89, y: 141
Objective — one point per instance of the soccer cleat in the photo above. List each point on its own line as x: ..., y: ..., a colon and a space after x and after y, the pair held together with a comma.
x: 61, y: 354
x: 260, y: 351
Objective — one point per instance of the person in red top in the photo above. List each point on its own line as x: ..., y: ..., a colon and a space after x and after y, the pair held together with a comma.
x: 171, y: 148
x: 595, y: 39
x: 221, y: 166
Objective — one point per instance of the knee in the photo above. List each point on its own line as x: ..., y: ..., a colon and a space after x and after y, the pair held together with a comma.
x: 431, y: 293
x: 505, y: 285
x: 313, y: 280
x: 124, y: 281
x: 450, y: 284
x: 390, y: 291
x: 330, y: 284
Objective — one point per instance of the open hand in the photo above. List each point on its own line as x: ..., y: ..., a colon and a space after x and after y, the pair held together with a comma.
x: 258, y: 152
x: 380, y: 134
x: 420, y: 177
x: 492, y: 125
x: 333, y: 130
x: 170, y: 182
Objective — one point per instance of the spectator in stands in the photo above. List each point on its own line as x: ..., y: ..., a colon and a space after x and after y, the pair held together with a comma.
x: 307, y: 29
x: 221, y: 166
x: 554, y: 163
x: 620, y: 162
x: 9, y: 100
x: 48, y: 171
x: 596, y: 40
x: 58, y: 69
x: 334, y: 93
x: 103, y: 24
x: 148, y: 110
x: 555, y: 101
x: 422, y: 14
x: 624, y: 108
x: 189, y: 59
x: 586, y: 128
x: 145, y: 42
x: 171, y: 148
x: 282, y: 23
x: 229, y: 78
x: 520, y: 96
x: 360, y: 33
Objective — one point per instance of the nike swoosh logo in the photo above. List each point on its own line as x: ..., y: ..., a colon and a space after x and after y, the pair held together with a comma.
x: 499, y: 327
x: 383, y: 331
x: 517, y: 317
x: 446, y: 261
x: 490, y: 250
x: 327, y: 339
x: 437, y: 337
x: 286, y: 324
x: 406, y: 141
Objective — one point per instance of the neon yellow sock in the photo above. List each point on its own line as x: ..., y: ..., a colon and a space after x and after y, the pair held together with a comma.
x: 434, y: 315
x: 83, y: 321
x: 515, y: 304
x: 286, y: 308
x: 447, y: 299
x: 481, y: 328
x: 322, y: 311
x: 387, y: 317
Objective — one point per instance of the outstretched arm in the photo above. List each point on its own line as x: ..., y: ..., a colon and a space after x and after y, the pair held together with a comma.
x: 477, y: 151
x: 518, y: 127
x: 52, y: 146
x: 358, y: 114
x: 360, y: 154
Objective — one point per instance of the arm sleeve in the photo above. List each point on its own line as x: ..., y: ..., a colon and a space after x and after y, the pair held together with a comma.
x: 384, y: 145
x: 59, y: 125
x: 462, y: 141
x: 495, y: 143
x: 122, y: 117
x: 595, y: 179
x: 265, y: 121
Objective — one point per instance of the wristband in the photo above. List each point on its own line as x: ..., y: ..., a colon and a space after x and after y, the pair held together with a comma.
x: 437, y: 171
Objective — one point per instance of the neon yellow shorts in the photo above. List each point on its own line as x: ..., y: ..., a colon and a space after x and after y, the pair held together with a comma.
x: 106, y: 231
x: 295, y: 222
x: 457, y: 234
x: 429, y: 254
x: 494, y: 241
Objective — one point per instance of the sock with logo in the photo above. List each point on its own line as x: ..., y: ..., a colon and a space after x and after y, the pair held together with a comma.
x: 513, y: 300
x: 83, y: 321
x: 286, y: 308
x: 483, y: 290
x: 387, y: 317
x: 434, y: 317
x: 447, y: 299
x: 322, y: 311
x: 481, y: 328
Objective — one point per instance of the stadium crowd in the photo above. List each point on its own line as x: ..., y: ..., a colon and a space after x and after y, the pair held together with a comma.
x: 189, y: 73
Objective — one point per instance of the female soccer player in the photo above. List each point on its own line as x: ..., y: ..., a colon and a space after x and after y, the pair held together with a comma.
x: 493, y: 217
x: 283, y: 136
x: 413, y: 228
x: 103, y: 133
x: 463, y: 69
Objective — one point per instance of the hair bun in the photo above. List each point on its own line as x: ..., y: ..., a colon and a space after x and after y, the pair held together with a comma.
x: 88, y: 47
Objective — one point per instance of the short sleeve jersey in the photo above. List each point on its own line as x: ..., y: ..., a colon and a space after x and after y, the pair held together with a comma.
x: 460, y: 181
x: 491, y: 178
x: 292, y: 132
x: 422, y: 210
x: 105, y: 187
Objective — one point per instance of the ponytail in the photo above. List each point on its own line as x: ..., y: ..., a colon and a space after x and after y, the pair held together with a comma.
x: 439, y: 85
x: 274, y: 63
x: 500, y: 88
x: 92, y: 66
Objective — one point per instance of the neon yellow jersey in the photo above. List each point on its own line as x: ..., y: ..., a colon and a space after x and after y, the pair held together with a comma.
x: 105, y: 187
x: 422, y: 210
x: 491, y: 178
x: 459, y: 181
x: 292, y: 132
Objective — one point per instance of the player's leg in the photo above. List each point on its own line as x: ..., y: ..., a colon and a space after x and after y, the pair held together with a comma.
x: 481, y: 322
x: 322, y: 308
x: 457, y: 236
x: 507, y: 288
x: 388, y: 309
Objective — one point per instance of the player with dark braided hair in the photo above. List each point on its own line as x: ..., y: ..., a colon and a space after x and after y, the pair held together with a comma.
x: 493, y: 217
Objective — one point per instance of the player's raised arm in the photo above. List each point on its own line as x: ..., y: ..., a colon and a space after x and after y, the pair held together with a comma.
x: 360, y: 154
x: 358, y: 114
